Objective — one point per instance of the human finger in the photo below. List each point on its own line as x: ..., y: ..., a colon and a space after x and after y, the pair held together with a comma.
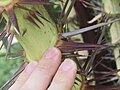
x: 24, y: 76
x: 44, y: 72
x: 65, y: 76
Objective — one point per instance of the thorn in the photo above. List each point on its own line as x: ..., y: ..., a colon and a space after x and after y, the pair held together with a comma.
x: 31, y: 20
x: 3, y: 35
x: 9, y: 44
x: 69, y: 44
x: 6, y: 38
x: 63, y: 10
x: 32, y: 11
x: 13, y: 20
x: 45, y: 19
x: 86, y: 29
x: 69, y: 50
x: 68, y: 11
x: 3, y: 31
x: 73, y: 55
x: 87, y: 3
x: 24, y: 31
x: 1, y: 19
x: 35, y: 17
x: 96, y: 18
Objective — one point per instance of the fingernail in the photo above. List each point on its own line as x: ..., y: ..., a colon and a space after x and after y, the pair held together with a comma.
x: 51, y: 53
x: 30, y: 67
x: 68, y: 64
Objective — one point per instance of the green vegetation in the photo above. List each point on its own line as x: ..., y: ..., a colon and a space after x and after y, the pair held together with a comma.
x: 9, y: 66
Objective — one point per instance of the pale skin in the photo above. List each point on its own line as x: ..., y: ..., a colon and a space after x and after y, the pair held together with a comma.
x: 47, y: 74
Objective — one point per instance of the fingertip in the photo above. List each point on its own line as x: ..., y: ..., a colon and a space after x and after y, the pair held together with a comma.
x: 68, y: 65
x: 52, y: 53
x: 65, y: 76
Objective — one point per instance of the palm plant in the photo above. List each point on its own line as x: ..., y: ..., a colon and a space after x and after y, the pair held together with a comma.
x: 32, y: 24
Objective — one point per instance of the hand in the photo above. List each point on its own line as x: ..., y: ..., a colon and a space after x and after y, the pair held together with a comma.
x: 47, y: 74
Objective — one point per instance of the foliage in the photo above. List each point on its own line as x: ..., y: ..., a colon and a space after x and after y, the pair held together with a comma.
x: 9, y: 66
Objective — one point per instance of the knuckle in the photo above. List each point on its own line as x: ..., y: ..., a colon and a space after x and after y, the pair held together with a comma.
x: 43, y: 68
